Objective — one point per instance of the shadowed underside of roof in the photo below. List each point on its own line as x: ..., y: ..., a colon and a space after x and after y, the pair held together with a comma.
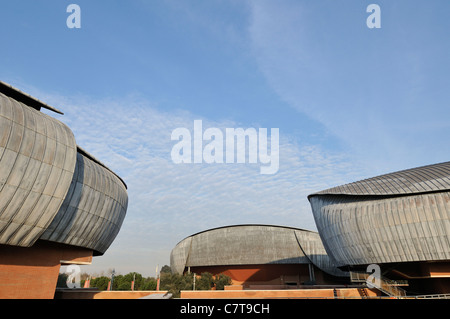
x: 252, y: 244
x: 424, y: 179
x: 25, y: 98
x: 50, y: 188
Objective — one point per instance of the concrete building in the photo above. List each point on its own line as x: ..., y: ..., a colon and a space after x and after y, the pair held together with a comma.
x: 258, y: 255
x: 58, y: 204
x: 398, y: 221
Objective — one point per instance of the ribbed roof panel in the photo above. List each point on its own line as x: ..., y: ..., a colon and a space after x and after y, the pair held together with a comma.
x: 252, y: 245
x: 424, y: 179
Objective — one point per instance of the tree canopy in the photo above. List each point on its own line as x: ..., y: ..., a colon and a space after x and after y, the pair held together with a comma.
x: 169, y: 281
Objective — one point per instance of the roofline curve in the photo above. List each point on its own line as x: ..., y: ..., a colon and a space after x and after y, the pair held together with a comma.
x: 437, y: 174
x: 91, y: 157
x: 25, y: 98
x: 244, y: 225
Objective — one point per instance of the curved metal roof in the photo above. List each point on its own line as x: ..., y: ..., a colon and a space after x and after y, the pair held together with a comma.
x: 424, y: 179
x: 244, y: 225
x: 251, y: 244
x: 50, y: 188
x: 37, y: 162
x: 398, y: 217
x: 93, y: 210
x: 25, y: 98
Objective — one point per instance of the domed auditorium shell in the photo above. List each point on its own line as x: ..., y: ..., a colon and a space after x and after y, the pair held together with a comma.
x: 393, y: 218
x: 250, y: 245
x: 50, y: 188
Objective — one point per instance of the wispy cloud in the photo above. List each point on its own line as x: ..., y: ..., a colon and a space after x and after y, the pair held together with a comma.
x: 381, y: 94
x: 372, y: 90
x: 168, y: 201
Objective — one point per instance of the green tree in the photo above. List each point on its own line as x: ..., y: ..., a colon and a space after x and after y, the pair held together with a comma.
x: 120, y: 283
x: 123, y: 282
x: 166, y: 269
x: 137, y: 278
x: 204, y: 282
x: 100, y: 282
x: 221, y: 281
x: 174, y: 283
x: 62, y: 280
x: 148, y: 284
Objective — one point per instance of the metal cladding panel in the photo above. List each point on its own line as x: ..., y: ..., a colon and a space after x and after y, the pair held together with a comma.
x: 244, y: 245
x: 423, y: 179
x: 94, y: 209
x: 358, y: 230
x: 312, y: 246
x: 179, y: 255
x: 37, y: 162
x: 25, y: 98
x: 249, y: 245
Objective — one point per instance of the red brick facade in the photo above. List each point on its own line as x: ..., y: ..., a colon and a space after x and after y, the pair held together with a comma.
x: 32, y: 273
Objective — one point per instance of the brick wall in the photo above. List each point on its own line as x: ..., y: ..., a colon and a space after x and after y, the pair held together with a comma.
x: 32, y: 273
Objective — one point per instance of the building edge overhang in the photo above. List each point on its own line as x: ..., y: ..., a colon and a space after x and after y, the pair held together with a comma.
x: 91, y: 157
x: 25, y: 98
x: 308, y: 255
x: 32, y: 102
x: 422, y: 176
x: 372, y: 196
x: 244, y: 225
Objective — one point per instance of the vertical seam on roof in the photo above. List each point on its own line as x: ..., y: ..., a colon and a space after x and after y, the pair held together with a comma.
x: 436, y: 174
x: 13, y: 166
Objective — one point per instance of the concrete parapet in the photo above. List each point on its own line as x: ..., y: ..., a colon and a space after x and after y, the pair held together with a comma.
x: 96, y: 294
x: 32, y: 273
x: 257, y: 294
x: 328, y: 293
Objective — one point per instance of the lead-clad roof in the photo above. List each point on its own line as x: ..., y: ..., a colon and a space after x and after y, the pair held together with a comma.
x: 252, y: 245
x: 424, y: 179
x: 25, y: 98
x: 50, y: 188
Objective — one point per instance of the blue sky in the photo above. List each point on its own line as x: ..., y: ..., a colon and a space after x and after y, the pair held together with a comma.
x: 350, y: 102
